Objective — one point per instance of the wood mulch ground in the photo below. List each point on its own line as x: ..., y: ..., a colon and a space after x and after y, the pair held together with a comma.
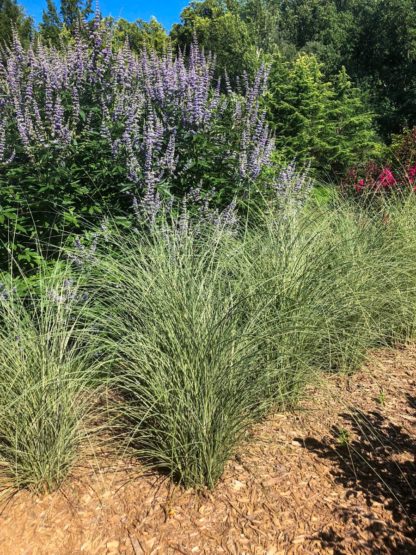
x: 336, y: 477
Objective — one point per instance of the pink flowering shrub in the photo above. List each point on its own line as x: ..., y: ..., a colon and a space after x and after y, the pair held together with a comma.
x: 398, y: 174
x: 382, y: 179
x: 411, y: 174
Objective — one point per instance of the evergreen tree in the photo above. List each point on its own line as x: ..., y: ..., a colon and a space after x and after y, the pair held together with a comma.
x: 74, y: 10
x: 12, y: 16
x: 51, y: 25
x: 317, y: 121
x: 355, y: 136
x: 299, y: 99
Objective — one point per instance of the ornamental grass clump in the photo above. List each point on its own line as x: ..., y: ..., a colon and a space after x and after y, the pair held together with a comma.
x: 188, y: 371
x: 49, y: 390
x: 212, y: 326
x: 199, y: 322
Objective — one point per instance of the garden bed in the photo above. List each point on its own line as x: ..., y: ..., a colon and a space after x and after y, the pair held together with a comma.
x: 336, y: 476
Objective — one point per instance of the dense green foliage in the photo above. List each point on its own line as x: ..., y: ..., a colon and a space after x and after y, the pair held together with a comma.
x: 140, y: 35
x: 222, y: 32
x: 43, y: 199
x: 70, y: 14
x: 359, y: 81
x: 318, y: 114
x: 51, y: 25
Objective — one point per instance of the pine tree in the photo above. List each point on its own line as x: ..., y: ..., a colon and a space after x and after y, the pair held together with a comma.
x: 355, y: 136
x: 299, y: 102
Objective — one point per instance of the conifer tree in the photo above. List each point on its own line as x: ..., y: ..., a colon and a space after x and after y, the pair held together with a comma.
x: 13, y: 17
x: 74, y: 10
x: 51, y: 24
x: 299, y: 101
x: 316, y: 121
x: 355, y: 136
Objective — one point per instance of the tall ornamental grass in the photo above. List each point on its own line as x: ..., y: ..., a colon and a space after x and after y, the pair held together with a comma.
x: 48, y: 381
x: 200, y: 324
x: 338, y: 281
x: 212, y: 327
x: 189, y: 372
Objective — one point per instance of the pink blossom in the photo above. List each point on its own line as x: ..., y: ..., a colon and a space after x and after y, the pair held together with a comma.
x: 386, y: 178
x: 411, y: 172
x: 360, y: 185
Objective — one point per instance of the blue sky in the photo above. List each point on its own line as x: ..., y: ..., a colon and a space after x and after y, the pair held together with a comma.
x: 166, y: 11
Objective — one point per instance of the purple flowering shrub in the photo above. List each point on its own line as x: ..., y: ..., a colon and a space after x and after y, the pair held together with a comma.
x: 87, y: 126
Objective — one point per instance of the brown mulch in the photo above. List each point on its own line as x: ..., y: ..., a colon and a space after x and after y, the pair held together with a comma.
x: 336, y: 477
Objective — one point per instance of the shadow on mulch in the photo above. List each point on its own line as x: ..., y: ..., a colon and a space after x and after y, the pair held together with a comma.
x: 376, y: 457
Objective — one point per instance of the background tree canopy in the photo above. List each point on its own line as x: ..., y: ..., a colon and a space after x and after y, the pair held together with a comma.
x: 13, y: 17
x: 342, y: 72
x: 375, y: 40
